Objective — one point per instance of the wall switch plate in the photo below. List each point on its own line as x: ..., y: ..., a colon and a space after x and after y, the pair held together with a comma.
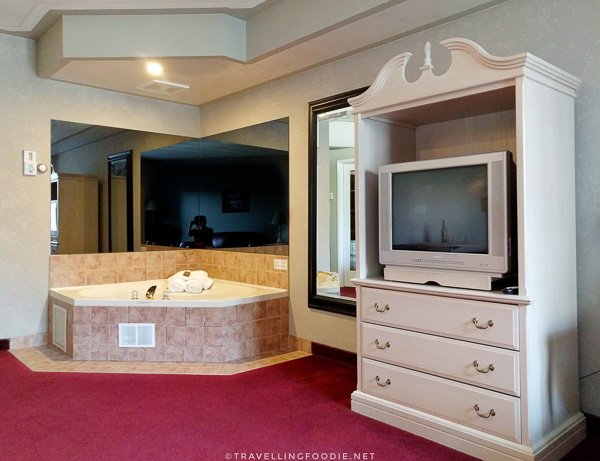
x: 280, y: 264
x: 29, y: 163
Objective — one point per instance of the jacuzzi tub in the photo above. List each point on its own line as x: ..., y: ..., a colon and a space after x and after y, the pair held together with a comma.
x: 229, y: 321
x: 223, y: 293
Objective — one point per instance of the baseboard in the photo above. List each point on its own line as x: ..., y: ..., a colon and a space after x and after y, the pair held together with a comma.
x: 593, y: 424
x: 333, y: 353
x: 562, y: 440
x: 4, y: 344
x: 23, y: 342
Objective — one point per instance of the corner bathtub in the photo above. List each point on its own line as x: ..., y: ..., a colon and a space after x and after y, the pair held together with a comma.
x: 229, y: 321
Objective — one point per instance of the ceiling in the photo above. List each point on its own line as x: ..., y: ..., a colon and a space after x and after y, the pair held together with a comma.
x: 209, y: 49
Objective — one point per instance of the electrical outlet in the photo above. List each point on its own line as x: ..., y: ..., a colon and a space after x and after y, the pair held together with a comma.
x: 280, y: 264
x: 4, y: 344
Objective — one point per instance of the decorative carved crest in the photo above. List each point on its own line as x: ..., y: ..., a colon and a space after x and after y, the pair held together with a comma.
x: 427, y: 62
x: 472, y: 70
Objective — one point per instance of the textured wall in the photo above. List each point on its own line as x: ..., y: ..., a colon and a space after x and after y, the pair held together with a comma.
x: 27, y: 104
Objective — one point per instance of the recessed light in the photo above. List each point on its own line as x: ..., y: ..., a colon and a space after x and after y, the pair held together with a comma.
x: 173, y: 84
x: 154, y: 68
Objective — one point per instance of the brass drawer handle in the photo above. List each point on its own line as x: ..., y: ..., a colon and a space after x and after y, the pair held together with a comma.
x: 386, y: 383
x: 490, y: 413
x: 380, y: 345
x: 482, y: 326
x: 489, y: 368
x: 380, y: 308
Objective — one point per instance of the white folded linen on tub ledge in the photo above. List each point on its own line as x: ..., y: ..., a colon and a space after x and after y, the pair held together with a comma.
x: 189, y: 281
x: 176, y: 285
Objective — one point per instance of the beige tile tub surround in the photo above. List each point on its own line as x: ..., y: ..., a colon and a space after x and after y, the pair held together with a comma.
x: 50, y: 359
x: 182, y: 334
x: 24, y: 342
x: 92, y: 269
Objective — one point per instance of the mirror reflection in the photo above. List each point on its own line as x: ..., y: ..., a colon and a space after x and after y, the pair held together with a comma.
x: 161, y: 189
x: 336, y: 256
x: 228, y: 191
x: 120, y: 209
x: 332, y: 260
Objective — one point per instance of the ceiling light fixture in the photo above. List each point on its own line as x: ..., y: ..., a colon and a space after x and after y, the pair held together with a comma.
x: 154, y: 68
x: 173, y: 84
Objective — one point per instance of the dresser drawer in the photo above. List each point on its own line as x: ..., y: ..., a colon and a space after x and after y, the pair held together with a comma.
x: 489, y: 367
x: 488, y: 411
x: 483, y: 322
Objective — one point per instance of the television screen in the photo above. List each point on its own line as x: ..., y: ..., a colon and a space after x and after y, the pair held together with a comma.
x: 441, y: 210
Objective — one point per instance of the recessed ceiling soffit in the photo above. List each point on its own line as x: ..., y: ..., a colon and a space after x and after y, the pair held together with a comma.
x: 213, y: 55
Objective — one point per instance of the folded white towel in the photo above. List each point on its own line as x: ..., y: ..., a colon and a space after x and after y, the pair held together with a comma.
x: 199, y: 275
x: 194, y: 286
x: 198, y: 285
x: 190, y: 281
x: 176, y: 285
x: 187, y: 274
x: 208, y: 282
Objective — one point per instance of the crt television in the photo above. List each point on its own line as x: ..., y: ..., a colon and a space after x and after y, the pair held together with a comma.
x: 448, y: 220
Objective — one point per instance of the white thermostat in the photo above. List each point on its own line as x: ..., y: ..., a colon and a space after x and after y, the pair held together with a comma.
x: 29, y: 162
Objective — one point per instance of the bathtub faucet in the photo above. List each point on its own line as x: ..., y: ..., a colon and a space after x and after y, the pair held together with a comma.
x: 150, y: 292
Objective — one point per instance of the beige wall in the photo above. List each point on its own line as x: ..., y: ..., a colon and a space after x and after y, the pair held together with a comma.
x: 27, y: 104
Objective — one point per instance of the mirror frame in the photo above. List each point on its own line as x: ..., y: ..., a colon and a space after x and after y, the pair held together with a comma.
x: 315, y: 300
x: 127, y: 156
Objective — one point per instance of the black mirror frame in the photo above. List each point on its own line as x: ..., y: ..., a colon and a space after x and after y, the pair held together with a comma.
x: 316, y: 301
x: 127, y: 156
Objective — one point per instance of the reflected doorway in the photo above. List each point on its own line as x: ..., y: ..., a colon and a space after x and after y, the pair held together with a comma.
x: 332, y: 250
x: 335, y: 235
x: 346, y: 228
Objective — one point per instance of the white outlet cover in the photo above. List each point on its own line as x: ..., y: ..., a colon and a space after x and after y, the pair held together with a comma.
x: 280, y: 264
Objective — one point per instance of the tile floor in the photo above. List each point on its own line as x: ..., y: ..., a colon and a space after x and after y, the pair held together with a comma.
x: 50, y: 359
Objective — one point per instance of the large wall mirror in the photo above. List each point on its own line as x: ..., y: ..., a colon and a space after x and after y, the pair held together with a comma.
x: 332, y: 253
x: 153, y: 187
x: 234, y: 184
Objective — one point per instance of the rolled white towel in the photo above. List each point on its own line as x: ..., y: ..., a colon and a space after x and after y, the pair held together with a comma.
x: 197, y: 285
x: 183, y: 275
x: 176, y: 284
x: 188, y: 274
x: 198, y: 275
x: 190, y: 281
x: 207, y: 283
x: 194, y: 286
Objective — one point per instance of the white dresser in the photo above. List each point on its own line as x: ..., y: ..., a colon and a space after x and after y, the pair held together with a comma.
x: 456, y: 358
x: 486, y: 373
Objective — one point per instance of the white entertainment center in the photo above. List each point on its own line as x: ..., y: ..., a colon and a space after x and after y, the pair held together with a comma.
x: 491, y: 374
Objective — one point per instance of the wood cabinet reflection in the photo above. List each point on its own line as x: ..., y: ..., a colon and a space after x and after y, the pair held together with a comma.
x: 120, y: 214
x: 74, y: 208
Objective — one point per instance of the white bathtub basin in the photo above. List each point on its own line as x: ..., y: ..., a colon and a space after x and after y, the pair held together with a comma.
x: 223, y: 293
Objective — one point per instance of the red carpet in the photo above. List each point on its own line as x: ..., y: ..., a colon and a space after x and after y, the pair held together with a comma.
x: 348, y: 292
x: 299, y: 408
